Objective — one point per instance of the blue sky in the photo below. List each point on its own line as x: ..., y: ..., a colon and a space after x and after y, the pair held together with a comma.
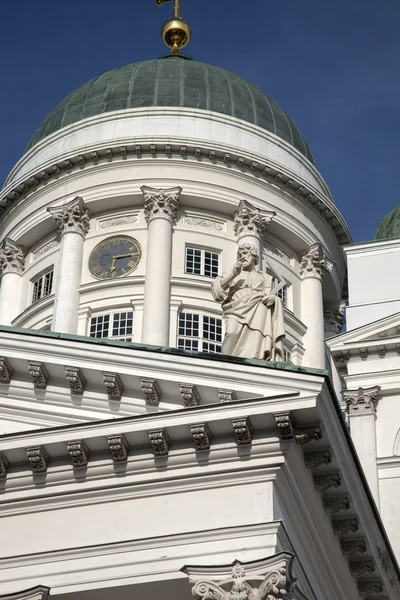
x: 333, y: 66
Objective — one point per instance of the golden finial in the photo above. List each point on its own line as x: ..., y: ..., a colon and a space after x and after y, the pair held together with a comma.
x: 175, y: 32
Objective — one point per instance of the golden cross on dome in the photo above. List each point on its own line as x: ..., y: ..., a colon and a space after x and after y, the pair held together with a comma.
x: 175, y: 32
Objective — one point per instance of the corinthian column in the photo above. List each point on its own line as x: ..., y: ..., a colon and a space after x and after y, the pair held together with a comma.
x: 250, y: 224
x: 160, y: 210
x: 314, y: 266
x: 361, y: 407
x: 12, y: 265
x: 72, y: 220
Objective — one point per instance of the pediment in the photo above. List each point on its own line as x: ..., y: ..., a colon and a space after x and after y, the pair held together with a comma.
x: 379, y: 332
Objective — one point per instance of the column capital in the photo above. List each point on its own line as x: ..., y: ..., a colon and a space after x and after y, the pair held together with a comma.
x: 334, y: 316
x: 272, y: 576
x: 160, y: 203
x: 12, y: 257
x: 362, y: 401
x: 249, y: 220
x: 315, y: 263
x: 72, y: 217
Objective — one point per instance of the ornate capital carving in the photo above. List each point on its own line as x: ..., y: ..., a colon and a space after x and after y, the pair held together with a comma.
x: 114, y: 385
x: 151, y: 391
x: 4, y: 464
x: 201, y: 434
x: 161, y: 204
x: 159, y: 439
x: 362, y: 401
x: 76, y: 380
x: 79, y: 453
x: 71, y: 217
x: 119, y: 447
x: 38, y: 459
x: 315, y: 263
x: 334, y: 316
x: 285, y: 426
x: 249, y: 220
x: 243, y: 431
x: 190, y: 395
x: 5, y: 371
x: 268, y: 579
x: 39, y: 375
x: 12, y: 257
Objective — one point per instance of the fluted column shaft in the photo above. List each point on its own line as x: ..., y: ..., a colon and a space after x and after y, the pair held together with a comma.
x: 314, y: 266
x: 73, y: 222
x: 160, y: 212
x: 12, y: 265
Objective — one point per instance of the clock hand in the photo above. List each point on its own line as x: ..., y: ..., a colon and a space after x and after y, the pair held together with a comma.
x: 114, y: 258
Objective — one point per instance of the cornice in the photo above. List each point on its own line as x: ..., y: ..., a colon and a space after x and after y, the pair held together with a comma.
x: 269, y: 172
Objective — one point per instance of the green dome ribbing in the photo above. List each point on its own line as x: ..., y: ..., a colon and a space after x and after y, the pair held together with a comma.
x: 389, y: 226
x: 174, y: 82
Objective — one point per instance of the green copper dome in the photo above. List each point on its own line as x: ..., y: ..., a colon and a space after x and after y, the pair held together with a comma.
x: 389, y: 226
x: 175, y: 82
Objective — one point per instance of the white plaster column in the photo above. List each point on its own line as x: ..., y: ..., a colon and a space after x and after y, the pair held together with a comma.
x: 361, y: 407
x: 250, y: 223
x: 314, y: 266
x: 12, y: 265
x: 73, y: 222
x: 160, y: 210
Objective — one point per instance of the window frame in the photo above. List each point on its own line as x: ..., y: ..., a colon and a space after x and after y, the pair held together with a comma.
x: 201, y: 339
x: 202, y: 250
x: 41, y: 276
x: 111, y: 316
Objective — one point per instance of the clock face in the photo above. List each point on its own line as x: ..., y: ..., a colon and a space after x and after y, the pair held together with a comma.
x: 115, y: 257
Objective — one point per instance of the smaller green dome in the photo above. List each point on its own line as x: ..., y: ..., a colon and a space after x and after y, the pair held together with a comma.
x: 390, y: 226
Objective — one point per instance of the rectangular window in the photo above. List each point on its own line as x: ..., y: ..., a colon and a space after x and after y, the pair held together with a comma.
x: 113, y: 326
x: 43, y: 286
x: 199, y: 333
x: 286, y: 355
x: 283, y: 295
x: 202, y: 262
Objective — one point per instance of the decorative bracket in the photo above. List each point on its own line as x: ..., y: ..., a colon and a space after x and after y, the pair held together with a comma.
x: 39, y: 375
x: 202, y: 435
x: 5, y: 371
x: 114, y: 385
x: 151, y: 391
x: 119, y: 447
x: 76, y: 380
x: 159, y: 439
x: 38, y: 458
x: 243, y: 431
x: 79, y: 453
x: 190, y: 395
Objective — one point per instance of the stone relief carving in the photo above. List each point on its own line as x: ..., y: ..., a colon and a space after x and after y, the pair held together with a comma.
x: 309, y: 435
x: 159, y: 203
x: 197, y: 221
x: 358, y: 568
x: 71, y: 217
x: 114, y: 385
x: 275, y: 250
x: 315, y: 263
x: 325, y: 482
x: 318, y: 458
x: 201, y: 434
x: 334, y: 316
x: 226, y: 395
x: 243, y: 430
x: 190, y: 395
x: 249, y: 220
x: 268, y: 579
x: 5, y: 371
x: 334, y: 504
x: 118, y: 221
x: 159, y: 440
x: 353, y: 547
x: 45, y: 248
x: 4, y: 465
x: 39, y: 375
x: 369, y: 588
x: 344, y: 526
x: 254, y: 315
x: 151, y: 391
x: 12, y: 257
x: 362, y: 401
x: 79, y: 453
x: 285, y: 426
x: 119, y: 447
x: 76, y: 380
x: 38, y: 459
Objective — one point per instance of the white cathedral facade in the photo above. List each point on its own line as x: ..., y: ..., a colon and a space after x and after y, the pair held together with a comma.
x: 136, y: 458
